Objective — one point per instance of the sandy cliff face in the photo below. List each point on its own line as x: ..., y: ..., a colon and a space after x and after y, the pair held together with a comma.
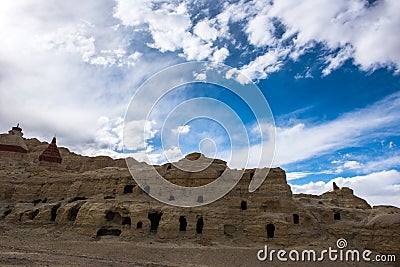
x: 97, y: 196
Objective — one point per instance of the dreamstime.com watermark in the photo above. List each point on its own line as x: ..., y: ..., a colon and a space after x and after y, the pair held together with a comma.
x: 331, y: 254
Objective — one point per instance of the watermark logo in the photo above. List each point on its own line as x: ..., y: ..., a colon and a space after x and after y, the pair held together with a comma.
x: 331, y: 254
x: 253, y: 143
x: 341, y: 243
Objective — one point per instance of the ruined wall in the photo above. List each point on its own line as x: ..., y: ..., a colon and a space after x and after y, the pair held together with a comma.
x: 107, y: 201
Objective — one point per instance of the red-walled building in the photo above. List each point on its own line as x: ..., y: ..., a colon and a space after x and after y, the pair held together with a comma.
x: 51, y: 154
x: 13, y: 141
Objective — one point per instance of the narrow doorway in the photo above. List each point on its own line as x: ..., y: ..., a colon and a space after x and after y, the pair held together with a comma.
x: 296, y: 218
x: 154, y: 218
x: 270, y: 230
x: 182, y: 223
x: 199, y: 225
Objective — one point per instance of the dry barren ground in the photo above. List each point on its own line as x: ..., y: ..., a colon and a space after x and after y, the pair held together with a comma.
x: 49, y: 246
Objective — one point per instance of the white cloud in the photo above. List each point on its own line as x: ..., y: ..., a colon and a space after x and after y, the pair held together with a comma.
x: 378, y: 188
x: 347, y: 29
x: 296, y: 175
x: 342, y: 22
x: 334, y: 62
x: 171, y: 29
x: 381, y: 163
x: 260, y: 31
x: 363, y: 164
x: 220, y: 55
x: 305, y: 75
x: 205, y: 30
x: 238, y: 76
x: 136, y: 134
x: 59, y: 72
x: 185, y: 129
x: 352, y: 165
x: 352, y: 28
x: 57, y: 63
x: 199, y: 76
x: 173, y: 154
x: 195, y: 49
x: 71, y: 39
x: 302, y: 174
x: 300, y: 142
x: 271, y: 61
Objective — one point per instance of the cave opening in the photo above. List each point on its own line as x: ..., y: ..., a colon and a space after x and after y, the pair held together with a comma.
x: 128, y: 189
x: 154, y: 218
x: 73, y: 213
x: 199, y: 225
x: 182, y: 223
x: 126, y: 221
x: 53, y: 213
x: 296, y: 218
x: 270, y: 230
x: 243, y: 205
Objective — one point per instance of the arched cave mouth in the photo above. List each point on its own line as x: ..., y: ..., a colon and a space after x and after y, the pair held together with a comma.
x: 73, y: 213
x: 139, y: 225
x: 53, y: 213
x: 128, y: 189
x: 182, y: 223
x: 270, y: 230
x: 199, y: 225
x: 154, y: 218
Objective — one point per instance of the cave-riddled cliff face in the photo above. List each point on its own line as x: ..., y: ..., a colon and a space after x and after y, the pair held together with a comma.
x: 97, y: 197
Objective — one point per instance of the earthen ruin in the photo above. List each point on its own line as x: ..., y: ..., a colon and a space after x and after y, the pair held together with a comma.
x: 96, y: 196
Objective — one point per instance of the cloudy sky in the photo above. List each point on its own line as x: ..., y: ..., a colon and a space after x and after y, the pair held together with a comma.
x: 329, y: 70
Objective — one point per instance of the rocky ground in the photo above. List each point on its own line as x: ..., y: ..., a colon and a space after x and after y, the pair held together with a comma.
x: 51, y: 246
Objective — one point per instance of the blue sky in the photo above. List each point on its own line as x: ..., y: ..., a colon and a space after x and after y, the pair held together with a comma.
x: 329, y: 70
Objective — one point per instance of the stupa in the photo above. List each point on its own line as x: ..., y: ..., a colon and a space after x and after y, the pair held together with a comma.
x: 51, y: 154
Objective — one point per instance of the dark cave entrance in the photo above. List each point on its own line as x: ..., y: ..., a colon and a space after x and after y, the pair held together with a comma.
x: 199, y: 225
x: 270, y: 230
x: 296, y: 218
x: 6, y: 213
x: 53, y: 214
x: 182, y: 223
x: 243, y: 205
x: 154, y: 218
x: 126, y: 221
x: 336, y: 216
x: 128, y: 189
x: 73, y: 213
x: 139, y: 225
